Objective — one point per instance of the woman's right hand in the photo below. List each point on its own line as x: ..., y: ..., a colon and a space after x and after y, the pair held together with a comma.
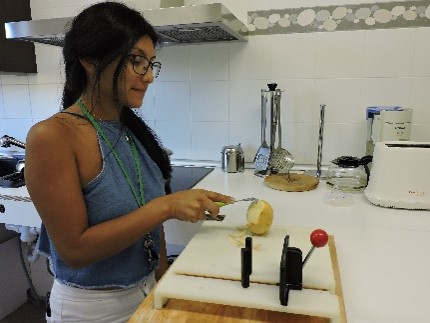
x: 191, y: 205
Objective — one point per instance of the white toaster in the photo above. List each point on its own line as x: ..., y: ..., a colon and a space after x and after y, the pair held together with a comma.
x: 400, y: 175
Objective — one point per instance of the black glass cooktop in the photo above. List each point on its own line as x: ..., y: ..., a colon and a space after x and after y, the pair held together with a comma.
x: 185, y: 177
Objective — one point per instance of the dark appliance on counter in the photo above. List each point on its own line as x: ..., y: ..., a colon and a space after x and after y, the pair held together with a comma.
x: 11, y: 168
x: 7, y: 165
x: 186, y: 177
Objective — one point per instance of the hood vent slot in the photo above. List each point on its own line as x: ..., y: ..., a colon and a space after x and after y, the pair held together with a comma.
x: 192, y: 34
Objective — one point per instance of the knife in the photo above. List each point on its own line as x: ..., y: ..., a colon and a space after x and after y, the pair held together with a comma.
x: 220, y: 204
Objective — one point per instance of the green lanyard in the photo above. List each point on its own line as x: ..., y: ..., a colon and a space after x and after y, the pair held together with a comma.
x: 140, y: 200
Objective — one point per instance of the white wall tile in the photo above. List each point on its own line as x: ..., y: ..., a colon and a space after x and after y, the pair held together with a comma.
x: 209, y: 101
x: 342, y: 139
x: 44, y: 13
x: 68, y: 11
x: 172, y: 101
x: 389, y: 52
x: 18, y: 128
x: 39, y: 4
x: 2, y: 112
x: 347, y: 71
x: 176, y: 63
x: 293, y: 55
x: 151, y: 124
x: 14, y: 79
x: 16, y: 100
x: 385, y: 91
x: 254, y: 5
x: 208, y: 138
x: 147, y: 110
x: 282, y: 4
x: 342, y: 99
x: 250, y: 60
x: 45, y: 100
x: 297, y: 100
x: 216, y: 54
x: 420, y: 100
x: 301, y: 140
x: 176, y: 135
x: 339, y: 54
x: 143, y: 5
x: 245, y: 99
x: 248, y: 135
x: 420, y: 132
x: 49, y: 65
x: 3, y: 128
x: 86, y: 3
x: 61, y: 3
x: 69, y: 3
x: 422, y: 53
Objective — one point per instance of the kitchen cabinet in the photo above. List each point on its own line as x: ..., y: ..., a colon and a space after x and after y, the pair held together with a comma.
x: 16, y: 56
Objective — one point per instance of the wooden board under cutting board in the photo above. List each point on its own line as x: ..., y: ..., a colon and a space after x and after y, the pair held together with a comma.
x: 212, y: 253
x: 185, y: 311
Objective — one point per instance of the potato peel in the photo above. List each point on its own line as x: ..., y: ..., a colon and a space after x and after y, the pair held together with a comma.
x: 238, y: 240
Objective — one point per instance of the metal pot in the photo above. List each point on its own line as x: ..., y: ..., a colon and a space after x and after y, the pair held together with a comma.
x: 232, y: 159
x: 20, y: 165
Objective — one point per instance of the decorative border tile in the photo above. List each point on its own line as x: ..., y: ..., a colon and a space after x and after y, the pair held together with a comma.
x: 383, y: 15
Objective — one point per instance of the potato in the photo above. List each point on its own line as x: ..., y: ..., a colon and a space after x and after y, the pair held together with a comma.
x: 259, y: 217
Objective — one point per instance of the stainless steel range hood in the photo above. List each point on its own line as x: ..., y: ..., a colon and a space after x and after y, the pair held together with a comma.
x: 206, y: 23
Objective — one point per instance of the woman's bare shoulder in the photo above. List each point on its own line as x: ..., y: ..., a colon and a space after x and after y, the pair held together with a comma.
x: 58, y: 128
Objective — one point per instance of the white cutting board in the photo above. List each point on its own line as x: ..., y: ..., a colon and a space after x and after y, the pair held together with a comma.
x: 211, y: 253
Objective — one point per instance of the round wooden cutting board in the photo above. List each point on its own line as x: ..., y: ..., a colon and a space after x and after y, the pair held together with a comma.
x: 297, y: 182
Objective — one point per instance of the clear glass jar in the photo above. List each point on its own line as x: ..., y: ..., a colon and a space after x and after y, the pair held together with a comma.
x: 349, y: 174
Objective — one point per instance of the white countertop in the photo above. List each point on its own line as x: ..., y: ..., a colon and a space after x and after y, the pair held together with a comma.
x: 382, y: 252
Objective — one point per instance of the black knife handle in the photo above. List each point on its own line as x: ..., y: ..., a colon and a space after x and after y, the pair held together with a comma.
x: 245, y: 270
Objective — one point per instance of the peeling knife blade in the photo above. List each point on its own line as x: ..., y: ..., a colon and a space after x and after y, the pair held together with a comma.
x: 248, y: 199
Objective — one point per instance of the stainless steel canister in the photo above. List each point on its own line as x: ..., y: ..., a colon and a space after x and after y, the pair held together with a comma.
x: 232, y: 159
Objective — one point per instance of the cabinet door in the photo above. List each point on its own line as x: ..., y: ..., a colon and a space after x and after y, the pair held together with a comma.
x: 16, y: 56
x: 19, y: 213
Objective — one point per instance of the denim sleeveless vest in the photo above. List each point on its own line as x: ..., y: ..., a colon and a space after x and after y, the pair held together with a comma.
x: 108, y: 196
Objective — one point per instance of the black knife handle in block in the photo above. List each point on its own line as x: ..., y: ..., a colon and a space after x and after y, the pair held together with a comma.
x: 245, y: 271
x: 248, y: 245
x: 291, y: 271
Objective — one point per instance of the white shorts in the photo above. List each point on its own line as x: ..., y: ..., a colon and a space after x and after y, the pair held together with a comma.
x: 71, y: 304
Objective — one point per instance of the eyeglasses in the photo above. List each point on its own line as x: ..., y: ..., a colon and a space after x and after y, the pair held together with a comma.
x: 141, y: 65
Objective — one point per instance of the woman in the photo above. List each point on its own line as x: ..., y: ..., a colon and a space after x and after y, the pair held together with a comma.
x: 98, y: 176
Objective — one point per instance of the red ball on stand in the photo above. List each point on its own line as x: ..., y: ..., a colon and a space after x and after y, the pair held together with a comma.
x: 319, y: 238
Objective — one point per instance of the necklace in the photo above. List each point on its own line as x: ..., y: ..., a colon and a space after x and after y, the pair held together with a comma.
x: 140, y: 199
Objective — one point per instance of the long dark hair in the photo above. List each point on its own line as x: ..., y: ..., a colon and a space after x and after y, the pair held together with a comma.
x: 104, y: 32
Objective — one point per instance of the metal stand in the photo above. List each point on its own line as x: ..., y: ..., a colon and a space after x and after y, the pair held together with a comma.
x: 291, y: 271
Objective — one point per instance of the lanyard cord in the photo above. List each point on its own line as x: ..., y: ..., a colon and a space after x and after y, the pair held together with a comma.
x: 140, y: 200
x: 148, y: 243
